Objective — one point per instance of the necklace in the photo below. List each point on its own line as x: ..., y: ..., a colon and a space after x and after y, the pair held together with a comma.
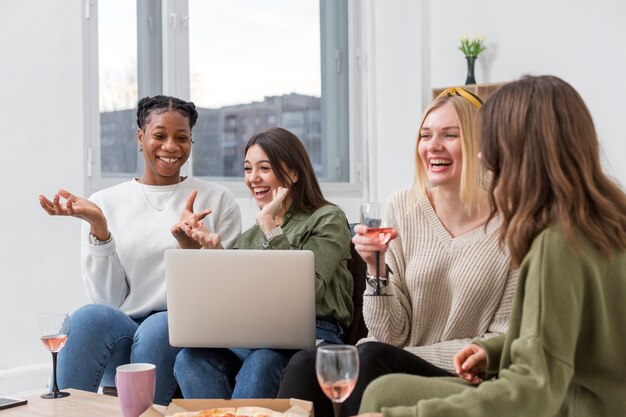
x: 162, y: 207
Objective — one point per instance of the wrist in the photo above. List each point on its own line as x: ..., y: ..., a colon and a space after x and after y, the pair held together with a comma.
x: 96, y: 241
x: 371, y: 280
x: 267, y: 223
x: 100, y: 231
x: 382, y: 270
x: 273, y: 233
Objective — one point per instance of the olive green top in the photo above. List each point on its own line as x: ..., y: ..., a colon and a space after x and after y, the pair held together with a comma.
x: 326, y: 233
x: 564, y: 353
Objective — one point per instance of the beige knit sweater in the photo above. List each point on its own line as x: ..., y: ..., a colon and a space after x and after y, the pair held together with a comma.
x: 445, y: 291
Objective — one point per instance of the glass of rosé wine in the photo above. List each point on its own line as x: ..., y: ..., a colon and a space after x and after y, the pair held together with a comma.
x: 337, y: 369
x: 371, y: 216
x: 54, y: 329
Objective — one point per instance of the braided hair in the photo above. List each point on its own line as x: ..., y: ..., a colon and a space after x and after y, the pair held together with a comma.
x: 161, y: 104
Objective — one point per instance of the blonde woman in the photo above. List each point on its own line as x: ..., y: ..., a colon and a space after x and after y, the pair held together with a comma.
x: 448, y: 279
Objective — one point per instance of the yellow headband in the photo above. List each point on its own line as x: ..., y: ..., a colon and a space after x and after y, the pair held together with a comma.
x: 476, y: 102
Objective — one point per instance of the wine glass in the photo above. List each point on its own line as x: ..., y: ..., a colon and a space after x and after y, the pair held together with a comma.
x: 337, y: 369
x: 372, y: 217
x: 54, y: 329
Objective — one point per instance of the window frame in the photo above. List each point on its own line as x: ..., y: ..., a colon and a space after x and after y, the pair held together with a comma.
x: 174, y: 56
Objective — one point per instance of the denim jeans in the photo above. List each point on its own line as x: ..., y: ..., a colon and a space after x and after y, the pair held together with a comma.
x: 102, y: 338
x: 239, y: 373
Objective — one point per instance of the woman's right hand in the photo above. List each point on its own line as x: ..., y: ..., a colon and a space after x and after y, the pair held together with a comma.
x: 367, y: 247
x: 77, y: 207
x: 470, y: 363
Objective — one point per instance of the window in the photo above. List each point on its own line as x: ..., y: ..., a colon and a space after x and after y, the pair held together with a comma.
x: 247, y: 65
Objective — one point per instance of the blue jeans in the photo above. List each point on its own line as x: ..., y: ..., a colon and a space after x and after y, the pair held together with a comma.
x: 239, y: 373
x: 102, y: 338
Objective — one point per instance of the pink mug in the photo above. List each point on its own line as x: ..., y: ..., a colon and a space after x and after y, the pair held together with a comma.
x: 135, y: 387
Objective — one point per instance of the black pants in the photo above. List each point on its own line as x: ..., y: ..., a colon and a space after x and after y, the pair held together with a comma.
x: 375, y: 359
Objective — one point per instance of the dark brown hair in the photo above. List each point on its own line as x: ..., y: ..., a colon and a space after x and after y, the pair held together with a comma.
x: 539, y: 141
x: 287, y: 153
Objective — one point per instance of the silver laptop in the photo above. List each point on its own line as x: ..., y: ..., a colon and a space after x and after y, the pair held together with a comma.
x: 241, y: 298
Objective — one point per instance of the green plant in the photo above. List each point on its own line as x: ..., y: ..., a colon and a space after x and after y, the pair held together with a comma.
x: 472, y: 47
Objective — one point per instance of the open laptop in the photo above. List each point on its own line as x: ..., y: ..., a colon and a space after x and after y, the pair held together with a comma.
x: 241, y: 298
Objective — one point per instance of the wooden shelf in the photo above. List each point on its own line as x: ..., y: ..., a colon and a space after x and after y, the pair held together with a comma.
x: 481, y: 90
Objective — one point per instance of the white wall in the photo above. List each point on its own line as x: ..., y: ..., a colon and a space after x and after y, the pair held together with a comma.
x: 412, y: 47
x: 582, y: 42
x: 42, y: 143
x: 416, y: 49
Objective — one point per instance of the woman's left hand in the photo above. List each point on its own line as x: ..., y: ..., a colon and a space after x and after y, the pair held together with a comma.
x: 266, y: 218
x: 207, y: 239
x: 182, y: 230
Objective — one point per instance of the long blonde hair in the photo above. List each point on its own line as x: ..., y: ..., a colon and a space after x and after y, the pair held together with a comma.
x: 539, y: 141
x: 472, y: 172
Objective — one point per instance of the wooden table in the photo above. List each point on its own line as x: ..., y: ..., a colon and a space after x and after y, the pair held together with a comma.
x: 78, y: 404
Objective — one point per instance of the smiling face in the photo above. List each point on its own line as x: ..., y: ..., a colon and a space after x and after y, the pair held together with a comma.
x: 440, y: 148
x: 166, y: 145
x: 259, y: 176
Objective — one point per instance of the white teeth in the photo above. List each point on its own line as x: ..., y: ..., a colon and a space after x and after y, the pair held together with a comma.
x: 440, y: 161
x: 168, y: 160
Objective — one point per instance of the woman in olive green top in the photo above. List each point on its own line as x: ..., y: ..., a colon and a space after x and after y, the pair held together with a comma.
x: 293, y: 215
x: 564, y: 222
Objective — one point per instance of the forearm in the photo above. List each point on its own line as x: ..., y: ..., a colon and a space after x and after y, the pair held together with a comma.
x: 102, y: 273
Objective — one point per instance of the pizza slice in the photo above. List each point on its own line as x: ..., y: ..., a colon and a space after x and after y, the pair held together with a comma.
x: 212, y: 412
x: 256, y: 412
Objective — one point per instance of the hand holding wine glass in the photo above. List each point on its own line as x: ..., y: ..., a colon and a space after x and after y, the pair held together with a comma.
x: 54, y: 329
x: 337, y: 369
x: 371, y: 216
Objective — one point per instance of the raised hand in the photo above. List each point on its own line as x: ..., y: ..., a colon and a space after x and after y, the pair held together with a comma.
x: 188, y: 219
x: 470, y: 363
x: 78, y: 207
x: 272, y: 213
x: 367, y: 244
x: 207, y: 239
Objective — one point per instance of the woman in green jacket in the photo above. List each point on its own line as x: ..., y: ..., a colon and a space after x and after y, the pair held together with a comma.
x: 564, y: 222
x: 293, y: 215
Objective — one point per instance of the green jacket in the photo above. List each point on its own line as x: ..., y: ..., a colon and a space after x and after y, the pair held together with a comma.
x: 327, y: 235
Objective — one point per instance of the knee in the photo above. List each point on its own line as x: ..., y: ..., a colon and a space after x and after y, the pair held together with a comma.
x: 94, y: 318
x: 371, y: 352
x: 153, y: 329
x: 268, y: 358
x: 302, y: 362
x: 185, y: 360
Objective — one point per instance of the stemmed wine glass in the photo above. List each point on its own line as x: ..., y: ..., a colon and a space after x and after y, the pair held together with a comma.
x: 54, y: 329
x: 372, y: 216
x: 337, y: 369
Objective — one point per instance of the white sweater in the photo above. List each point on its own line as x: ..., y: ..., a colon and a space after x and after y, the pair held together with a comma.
x: 128, y: 273
x: 445, y: 291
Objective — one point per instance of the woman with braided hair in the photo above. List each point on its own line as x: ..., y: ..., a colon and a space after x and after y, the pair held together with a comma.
x: 124, y: 236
